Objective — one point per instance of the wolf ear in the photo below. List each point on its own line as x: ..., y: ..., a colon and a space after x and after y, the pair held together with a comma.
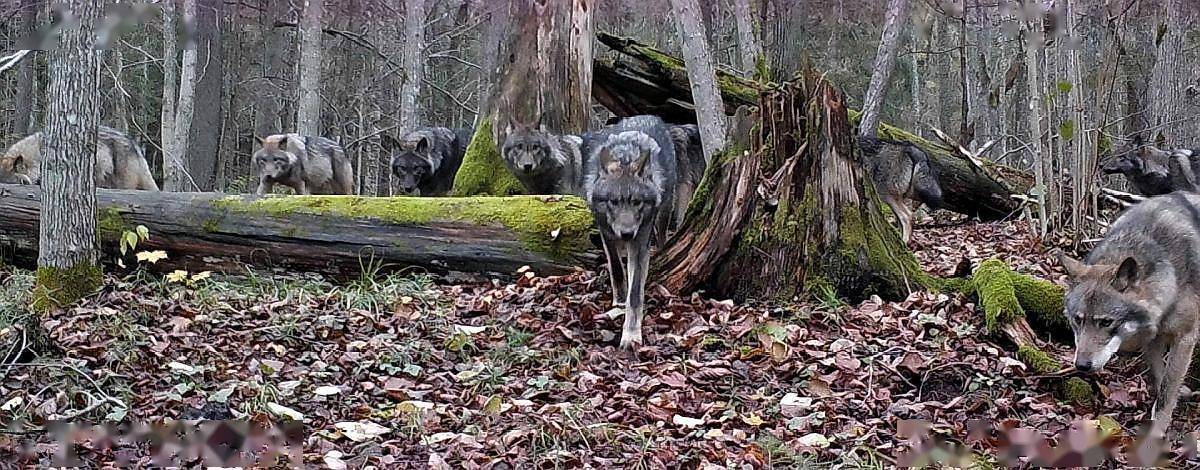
x: 1127, y: 275
x: 261, y: 142
x: 1074, y: 267
x: 607, y: 163
x: 422, y: 145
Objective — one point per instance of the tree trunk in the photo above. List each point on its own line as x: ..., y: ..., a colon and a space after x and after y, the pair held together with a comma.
x: 546, y: 78
x: 269, y: 118
x: 174, y: 169
x: 24, y: 121
x: 1034, y: 112
x: 340, y: 236
x: 185, y: 107
x: 67, y: 244
x: 496, y: 32
x: 308, y: 107
x: 710, y: 110
x: 793, y: 213
x: 204, y: 132
x: 749, y: 47
x: 885, y: 62
x: 414, y: 63
x: 1168, y: 78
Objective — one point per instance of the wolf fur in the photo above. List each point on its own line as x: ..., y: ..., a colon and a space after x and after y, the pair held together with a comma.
x: 690, y: 163
x: 120, y: 163
x: 1139, y: 290
x: 630, y: 187
x: 544, y: 163
x: 308, y: 165
x: 903, y: 178
x: 425, y: 160
x: 1147, y: 168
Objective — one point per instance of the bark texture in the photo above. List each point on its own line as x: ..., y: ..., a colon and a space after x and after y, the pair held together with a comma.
x: 204, y: 132
x: 749, y: 47
x: 67, y: 244
x: 336, y: 235
x: 414, y: 65
x: 308, y: 104
x: 885, y: 62
x: 24, y: 120
x: 174, y: 169
x: 1169, y: 76
x: 710, y: 109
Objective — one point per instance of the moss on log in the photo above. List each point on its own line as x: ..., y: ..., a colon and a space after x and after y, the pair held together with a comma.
x: 483, y: 172
x: 60, y: 287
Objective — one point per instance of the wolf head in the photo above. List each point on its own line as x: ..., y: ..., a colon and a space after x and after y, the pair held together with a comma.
x: 624, y: 197
x: 277, y: 158
x: 528, y: 151
x: 13, y: 170
x: 1137, y: 159
x: 411, y: 163
x: 925, y: 178
x: 1113, y: 307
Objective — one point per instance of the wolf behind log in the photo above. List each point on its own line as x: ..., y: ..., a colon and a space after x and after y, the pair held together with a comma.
x: 544, y: 163
x: 1139, y: 291
x: 690, y: 164
x: 120, y: 163
x: 1146, y: 167
x: 903, y: 178
x: 308, y: 165
x: 630, y: 187
x: 425, y: 160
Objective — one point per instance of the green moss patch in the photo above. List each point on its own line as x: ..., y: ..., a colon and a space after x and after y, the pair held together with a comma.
x: 993, y: 285
x: 559, y: 226
x: 60, y: 287
x: 483, y: 172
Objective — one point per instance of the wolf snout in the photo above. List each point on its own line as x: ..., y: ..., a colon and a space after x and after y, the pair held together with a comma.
x: 1085, y: 366
x: 627, y: 234
x: 527, y: 166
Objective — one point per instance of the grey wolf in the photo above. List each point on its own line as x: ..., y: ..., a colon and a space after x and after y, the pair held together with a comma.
x: 120, y: 162
x: 903, y: 178
x: 630, y: 187
x: 689, y: 158
x: 544, y: 163
x: 308, y: 165
x: 1139, y: 291
x: 425, y: 160
x: 1146, y: 167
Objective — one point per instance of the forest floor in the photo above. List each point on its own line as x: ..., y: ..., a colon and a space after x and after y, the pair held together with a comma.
x: 524, y: 373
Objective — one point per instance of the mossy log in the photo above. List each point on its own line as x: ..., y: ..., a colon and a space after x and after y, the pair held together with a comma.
x: 341, y: 236
x: 789, y: 210
x: 639, y: 79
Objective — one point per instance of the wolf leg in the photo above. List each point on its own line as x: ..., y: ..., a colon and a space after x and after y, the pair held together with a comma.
x: 1156, y: 356
x: 265, y: 186
x: 639, y: 264
x: 616, y: 275
x: 1178, y: 360
x: 302, y: 188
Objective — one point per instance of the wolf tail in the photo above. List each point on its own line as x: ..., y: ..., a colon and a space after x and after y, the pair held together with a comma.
x: 925, y: 181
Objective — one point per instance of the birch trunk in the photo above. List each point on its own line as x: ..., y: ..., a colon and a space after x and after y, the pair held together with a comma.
x: 186, y: 105
x: 308, y: 107
x: 885, y: 62
x: 710, y: 109
x: 173, y: 167
x: 1032, y: 43
x: 67, y: 242
x: 414, y: 66
x: 23, y: 118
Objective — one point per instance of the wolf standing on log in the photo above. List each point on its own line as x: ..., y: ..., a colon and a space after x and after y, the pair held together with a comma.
x: 630, y: 187
x: 903, y: 178
x: 120, y: 163
x: 308, y: 165
x: 543, y: 162
x: 1139, y: 291
x: 425, y: 160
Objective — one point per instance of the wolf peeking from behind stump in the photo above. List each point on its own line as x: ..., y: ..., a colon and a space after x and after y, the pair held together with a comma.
x: 630, y: 187
x: 903, y: 178
x: 425, y: 160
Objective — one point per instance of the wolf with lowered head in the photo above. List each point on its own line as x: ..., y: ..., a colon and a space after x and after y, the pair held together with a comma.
x: 1146, y: 167
x: 308, y: 165
x: 630, y: 187
x: 903, y: 178
x: 120, y: 163
x: 425, y: 160
x: 1139, y: 291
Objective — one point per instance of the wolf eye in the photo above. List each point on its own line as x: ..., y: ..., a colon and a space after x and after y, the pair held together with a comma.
x: 1106, y: 323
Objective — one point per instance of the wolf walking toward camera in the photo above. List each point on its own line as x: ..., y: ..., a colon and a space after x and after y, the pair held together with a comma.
x: 1139, y: 290
x: 120, y: 163
x: 425, y: 160
x: 308, y: 165
x: 903, y: 178
x: 630, y: 187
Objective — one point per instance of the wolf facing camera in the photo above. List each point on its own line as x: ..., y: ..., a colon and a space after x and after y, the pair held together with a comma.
x: 903, y: 178
x: 630, y: 187
x: 308, y: 165
x: 120, y: 163
x: 426, y: 159
x: 543, y: 162
x: 1139, y: 291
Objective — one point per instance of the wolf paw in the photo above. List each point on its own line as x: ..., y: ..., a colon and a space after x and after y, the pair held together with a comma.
x: 631, y: 341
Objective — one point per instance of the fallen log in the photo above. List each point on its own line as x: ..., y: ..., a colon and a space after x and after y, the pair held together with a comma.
x: 340, y: 236
x: 639, y: 79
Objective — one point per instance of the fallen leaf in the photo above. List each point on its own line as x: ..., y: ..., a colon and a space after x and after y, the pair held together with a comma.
x: 685, y: 421
x: 359, y: 431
